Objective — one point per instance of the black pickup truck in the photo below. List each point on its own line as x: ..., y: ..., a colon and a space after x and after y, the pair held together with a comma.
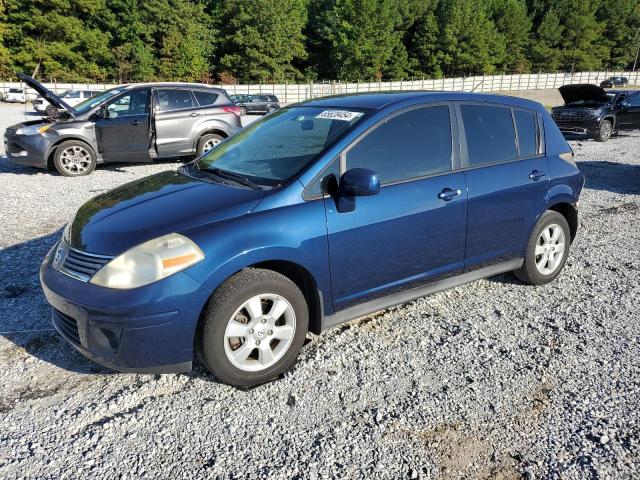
x: 591, y: 112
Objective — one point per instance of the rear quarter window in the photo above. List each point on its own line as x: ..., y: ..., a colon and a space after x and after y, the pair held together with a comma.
x: 490, y: 134
x: 173, y: 100
x: 205, y: 98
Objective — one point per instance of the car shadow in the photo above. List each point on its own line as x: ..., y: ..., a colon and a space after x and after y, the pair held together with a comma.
x: 611, y: 176
x: 25, y: 316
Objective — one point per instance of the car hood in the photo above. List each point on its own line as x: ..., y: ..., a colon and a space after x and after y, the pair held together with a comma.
x: 47, y: 94
x: 167, y: 202
x: 574, y: 93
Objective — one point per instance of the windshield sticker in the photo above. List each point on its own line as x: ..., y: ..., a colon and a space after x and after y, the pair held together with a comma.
x: 343, y: 115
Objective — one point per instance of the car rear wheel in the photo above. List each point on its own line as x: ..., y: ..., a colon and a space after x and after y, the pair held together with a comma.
x: 604, y: 132
x: 74, y: 159
x: 270, y: 109
x: 243, y: 111
x: 253, y: 328
x: 207, y: 142
x: 547, y: 250
x: 51, y: 111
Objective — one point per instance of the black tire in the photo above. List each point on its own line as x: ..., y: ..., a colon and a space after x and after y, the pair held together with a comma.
x: 204, y: 144
x: 604, y: 131
x: 243, y: 111
x: 85, y: 164
x: 51, y: 111
x: 224, y: 302
x: 270, y: 109
x: 529, y: 272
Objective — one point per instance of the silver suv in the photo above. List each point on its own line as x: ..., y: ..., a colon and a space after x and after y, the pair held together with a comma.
x: 129, y: 123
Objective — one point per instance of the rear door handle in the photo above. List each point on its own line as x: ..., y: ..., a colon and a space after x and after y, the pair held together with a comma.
x: 536, y: 175
x: 194, y: 114
x: 136, y: 122
x: 447, y: 194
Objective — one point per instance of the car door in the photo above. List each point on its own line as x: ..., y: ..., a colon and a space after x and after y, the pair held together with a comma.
x: 413, y: 231
x: 122, y: 130
x: 507, y: 177
x: 628, y: 115
x: 175, y: 117
x: 259, y: 103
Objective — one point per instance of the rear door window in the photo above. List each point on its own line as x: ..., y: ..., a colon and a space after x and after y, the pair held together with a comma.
x: 490, y: 134
x: 205, y: 98
x: 167, y: 100
x: 413, y: 144
x: 527, y: 132
x: 634, y: 100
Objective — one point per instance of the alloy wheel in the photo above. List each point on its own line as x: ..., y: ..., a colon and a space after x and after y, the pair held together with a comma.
x: 550, y: 249
x: 209, y: 144
x: 260, y: 332
x: 75, y: 160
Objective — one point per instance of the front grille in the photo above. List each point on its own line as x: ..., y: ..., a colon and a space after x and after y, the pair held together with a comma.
x: 575, y: 116
x: 66, y: 325
x: 78, y: 264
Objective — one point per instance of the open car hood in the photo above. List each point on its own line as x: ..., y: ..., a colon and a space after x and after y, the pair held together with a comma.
x: 47, y: 94
x: 574, y: 93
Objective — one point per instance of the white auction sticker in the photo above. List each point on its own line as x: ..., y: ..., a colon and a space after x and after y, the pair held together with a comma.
x: 344, y: 115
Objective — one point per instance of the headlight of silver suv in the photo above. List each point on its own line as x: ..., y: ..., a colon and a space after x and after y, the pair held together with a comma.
x: 149, y: 262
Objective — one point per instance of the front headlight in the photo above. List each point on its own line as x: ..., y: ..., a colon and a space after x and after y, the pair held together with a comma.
x: 149, y: 262
x: 33, y: 129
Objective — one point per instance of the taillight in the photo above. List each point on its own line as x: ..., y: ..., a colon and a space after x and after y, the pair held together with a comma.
x: 234, y: 110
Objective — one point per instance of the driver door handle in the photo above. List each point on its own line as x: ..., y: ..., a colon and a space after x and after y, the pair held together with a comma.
x: 536, y: 175
x: 447, y: 194
x: 194, y: 114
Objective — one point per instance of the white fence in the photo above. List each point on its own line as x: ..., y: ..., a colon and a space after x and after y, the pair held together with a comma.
x: 289, y: 93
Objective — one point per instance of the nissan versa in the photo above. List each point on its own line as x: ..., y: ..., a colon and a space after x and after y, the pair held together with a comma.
x: 129, y: 123
x: 317, y: 214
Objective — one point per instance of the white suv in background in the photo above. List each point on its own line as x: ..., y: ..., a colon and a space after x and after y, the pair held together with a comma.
x: 71, y: 97
x: 15, y: 95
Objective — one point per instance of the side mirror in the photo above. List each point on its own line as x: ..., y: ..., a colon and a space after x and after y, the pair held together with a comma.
x: 359, y: 182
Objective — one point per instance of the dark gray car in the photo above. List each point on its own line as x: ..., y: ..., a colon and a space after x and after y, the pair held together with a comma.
x: 129, y: 123
x: 257, y: 103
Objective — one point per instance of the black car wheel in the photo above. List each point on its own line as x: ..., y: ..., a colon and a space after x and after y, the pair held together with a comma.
x: 253, y: 327
x: 207, y: 142
x: 51, y: 111
x: 604, y: 132
x: 270, y: 109
x: 74, y: 159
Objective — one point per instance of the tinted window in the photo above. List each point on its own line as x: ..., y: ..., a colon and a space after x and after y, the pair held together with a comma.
x: 73, y: 94
x: 272, y: 98
x: 135, y: 102
x: 527, y: 132
x: 173, y: 100
x: 205, y: 98
x: 634, y: 100
x: 413, y: 144
x: 490, y: 134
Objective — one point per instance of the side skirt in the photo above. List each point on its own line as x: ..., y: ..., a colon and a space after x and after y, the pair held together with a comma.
x: 404, y: 297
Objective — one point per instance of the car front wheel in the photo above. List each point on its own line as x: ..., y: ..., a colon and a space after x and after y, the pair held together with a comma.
x: 253, y: 327
x: 547, y: 250
x: 74, y: 159
x: 605, y: 131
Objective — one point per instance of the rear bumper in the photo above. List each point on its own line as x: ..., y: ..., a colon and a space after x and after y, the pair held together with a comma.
x: 29, y: 150
x: 149, y: 329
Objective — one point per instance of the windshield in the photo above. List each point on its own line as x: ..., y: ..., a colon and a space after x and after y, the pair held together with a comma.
x: 271, y: 151
x: 92, y: 102
x: 588, y: 103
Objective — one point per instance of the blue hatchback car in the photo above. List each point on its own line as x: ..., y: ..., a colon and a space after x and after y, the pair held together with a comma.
x: 319, y: 213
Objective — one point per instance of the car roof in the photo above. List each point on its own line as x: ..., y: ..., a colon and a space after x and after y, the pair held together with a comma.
x: 173, y: 85
x: 380, y: 100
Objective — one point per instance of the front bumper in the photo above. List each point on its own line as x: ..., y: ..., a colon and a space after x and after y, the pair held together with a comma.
x: 582, y: 129
x: 150, y: 329
x: 31, y: 150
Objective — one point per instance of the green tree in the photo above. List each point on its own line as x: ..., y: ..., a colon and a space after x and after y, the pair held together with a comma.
x: 262, y: 40
x: 582, y: 44
x: 545, y: 51
x: 361, y: 39
x: 425, y: 48
x: 513, y: 24
x: 6, y: 65
x: 621, y: 26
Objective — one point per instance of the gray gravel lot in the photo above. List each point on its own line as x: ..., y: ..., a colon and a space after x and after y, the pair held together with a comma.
x: 494, y: 379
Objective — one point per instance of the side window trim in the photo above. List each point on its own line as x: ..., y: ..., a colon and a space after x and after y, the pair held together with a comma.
x: 129, y: 92
x: 372, y: 128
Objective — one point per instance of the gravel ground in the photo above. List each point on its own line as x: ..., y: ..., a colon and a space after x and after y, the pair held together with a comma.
x: 494, y: 379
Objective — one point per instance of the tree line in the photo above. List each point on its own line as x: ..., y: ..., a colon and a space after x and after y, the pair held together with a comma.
x: 309, y: 40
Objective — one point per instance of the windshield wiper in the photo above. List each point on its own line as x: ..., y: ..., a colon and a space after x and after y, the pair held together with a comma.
x: 235, y: 177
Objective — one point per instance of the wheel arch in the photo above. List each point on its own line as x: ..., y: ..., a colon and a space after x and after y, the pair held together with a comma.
x: 570, y: 213
x: 52, y: 149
